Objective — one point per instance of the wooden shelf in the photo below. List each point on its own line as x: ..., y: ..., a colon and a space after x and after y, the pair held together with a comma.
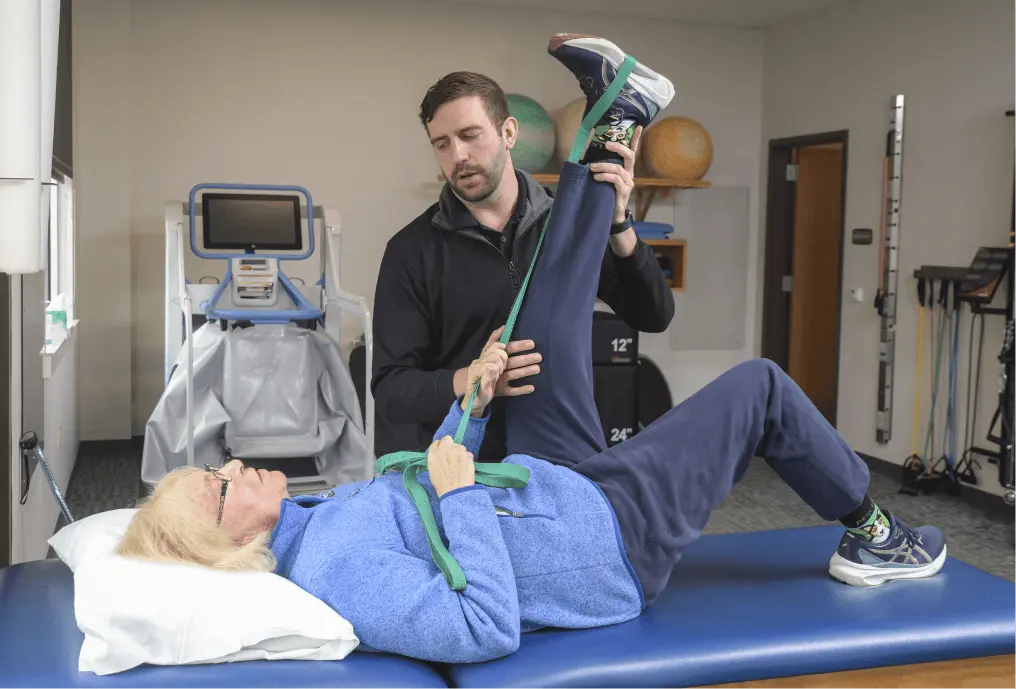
x: 646, y: 189
x: 640, y: 182
x: 674, y: 251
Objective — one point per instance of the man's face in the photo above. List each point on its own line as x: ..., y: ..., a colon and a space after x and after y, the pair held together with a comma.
x: 471, y: 151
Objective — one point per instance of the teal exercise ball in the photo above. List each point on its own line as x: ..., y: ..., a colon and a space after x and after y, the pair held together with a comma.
x: 534, y: 145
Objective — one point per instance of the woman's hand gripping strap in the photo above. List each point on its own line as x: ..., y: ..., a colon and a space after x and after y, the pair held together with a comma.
x: 411, y: 464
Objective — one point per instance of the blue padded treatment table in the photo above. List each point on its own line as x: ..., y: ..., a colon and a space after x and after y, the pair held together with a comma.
x: 40, y: 642
x: 740, y: 607
x: 760, y: 605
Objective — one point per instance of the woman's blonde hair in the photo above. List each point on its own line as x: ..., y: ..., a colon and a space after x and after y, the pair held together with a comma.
x: 174, y: 524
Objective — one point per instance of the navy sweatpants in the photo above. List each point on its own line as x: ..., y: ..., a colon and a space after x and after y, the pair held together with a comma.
x: 665, y: 481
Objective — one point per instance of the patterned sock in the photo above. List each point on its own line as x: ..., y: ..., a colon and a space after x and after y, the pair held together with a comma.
x: 868, y: 522
x: 613, y: 126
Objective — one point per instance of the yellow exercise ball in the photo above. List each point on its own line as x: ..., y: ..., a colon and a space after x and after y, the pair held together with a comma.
x: 677, y: 148
x: 566, y: 126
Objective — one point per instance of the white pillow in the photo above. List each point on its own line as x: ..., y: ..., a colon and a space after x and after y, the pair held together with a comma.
x: 91, y: 537
x: 134, y: 612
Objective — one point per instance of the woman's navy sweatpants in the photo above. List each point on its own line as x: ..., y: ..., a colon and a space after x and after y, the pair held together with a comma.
x: 665, y: 481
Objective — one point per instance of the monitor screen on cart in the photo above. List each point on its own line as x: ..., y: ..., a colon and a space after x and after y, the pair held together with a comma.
x: 252, y: 222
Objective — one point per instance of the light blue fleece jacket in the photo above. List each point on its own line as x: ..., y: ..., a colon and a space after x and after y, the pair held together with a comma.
x: 546, y: 555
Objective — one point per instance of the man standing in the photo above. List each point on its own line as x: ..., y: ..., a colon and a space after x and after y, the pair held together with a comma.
x: 448, y: 279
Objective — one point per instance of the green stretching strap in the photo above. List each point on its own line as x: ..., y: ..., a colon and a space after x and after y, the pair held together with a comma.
x: 496, y: 475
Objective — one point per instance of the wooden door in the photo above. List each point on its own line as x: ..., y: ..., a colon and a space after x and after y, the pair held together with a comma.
x: 814, y: 309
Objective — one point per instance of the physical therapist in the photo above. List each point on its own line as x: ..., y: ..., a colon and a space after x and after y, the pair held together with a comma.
x: 448, y: 279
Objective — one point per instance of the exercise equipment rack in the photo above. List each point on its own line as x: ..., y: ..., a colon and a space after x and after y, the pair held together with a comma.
x: 1007, y: 357
x: 977, y: 286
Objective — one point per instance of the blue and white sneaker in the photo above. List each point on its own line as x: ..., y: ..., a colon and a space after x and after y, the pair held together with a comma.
x: 594, y: 62
x: 907, y: 554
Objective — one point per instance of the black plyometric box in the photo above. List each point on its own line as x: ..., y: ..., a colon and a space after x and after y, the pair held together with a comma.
x: 614, y: 341
x: 615, y: 389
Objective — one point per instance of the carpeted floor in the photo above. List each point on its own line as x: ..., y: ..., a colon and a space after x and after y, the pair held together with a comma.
x: 107, y: 476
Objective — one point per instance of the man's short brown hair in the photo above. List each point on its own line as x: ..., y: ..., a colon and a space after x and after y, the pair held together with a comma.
x: 458, y: 84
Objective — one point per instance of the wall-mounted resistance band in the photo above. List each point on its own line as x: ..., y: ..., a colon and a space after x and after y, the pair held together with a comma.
x: 914, y: 465
x: 965, y: 467
x: 885, y: 298
x: 942, y: 472
x: 928, y: 472
x: 944, y: 464
x: 918, y: 468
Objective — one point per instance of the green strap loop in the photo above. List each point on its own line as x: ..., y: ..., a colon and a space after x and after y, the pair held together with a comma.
x: 411, y: 464
x: 495, y: 475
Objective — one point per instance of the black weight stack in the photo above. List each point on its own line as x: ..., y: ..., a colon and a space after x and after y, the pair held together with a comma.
x: 615, y: 376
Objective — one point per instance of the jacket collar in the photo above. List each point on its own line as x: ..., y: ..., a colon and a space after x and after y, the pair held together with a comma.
x: 287, y: 536
x: 534, y: 200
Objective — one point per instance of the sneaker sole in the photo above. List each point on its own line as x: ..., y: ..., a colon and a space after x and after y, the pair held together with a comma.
x: 649, y: 83
x: 854, y: 574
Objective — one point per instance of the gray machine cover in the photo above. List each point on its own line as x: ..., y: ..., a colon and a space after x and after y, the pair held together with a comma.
x: 267, y: 391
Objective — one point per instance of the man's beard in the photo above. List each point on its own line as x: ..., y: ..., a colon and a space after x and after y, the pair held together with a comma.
x: 490, y: 180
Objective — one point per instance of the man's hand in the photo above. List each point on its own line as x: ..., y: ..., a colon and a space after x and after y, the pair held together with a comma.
x: 519, y: 366
x: 450, y: 466
x: 486, y: 370
x: 621, y: 176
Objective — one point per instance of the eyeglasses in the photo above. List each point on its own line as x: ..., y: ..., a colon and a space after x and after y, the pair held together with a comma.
x: 214, y: 471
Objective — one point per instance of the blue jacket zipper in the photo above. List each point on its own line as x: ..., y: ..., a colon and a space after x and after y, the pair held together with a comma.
x: 505, y: 512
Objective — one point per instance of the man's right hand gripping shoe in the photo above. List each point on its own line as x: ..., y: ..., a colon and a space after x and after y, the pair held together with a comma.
x: 906, y: 554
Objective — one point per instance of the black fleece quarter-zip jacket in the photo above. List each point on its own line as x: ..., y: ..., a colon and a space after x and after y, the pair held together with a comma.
x: 445, y: 285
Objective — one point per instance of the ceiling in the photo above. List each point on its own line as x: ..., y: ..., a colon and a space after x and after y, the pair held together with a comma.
x: 755, y: 14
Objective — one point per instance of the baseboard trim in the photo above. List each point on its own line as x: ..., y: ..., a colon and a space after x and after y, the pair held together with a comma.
x: 970, y: 495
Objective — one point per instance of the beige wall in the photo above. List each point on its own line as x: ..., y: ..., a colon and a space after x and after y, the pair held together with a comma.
x: 102, y: 181
x: 325, y: 94
x: 953, y: 60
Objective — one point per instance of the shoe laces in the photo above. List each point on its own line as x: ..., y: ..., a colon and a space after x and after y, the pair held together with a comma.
x: 909, y: 534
